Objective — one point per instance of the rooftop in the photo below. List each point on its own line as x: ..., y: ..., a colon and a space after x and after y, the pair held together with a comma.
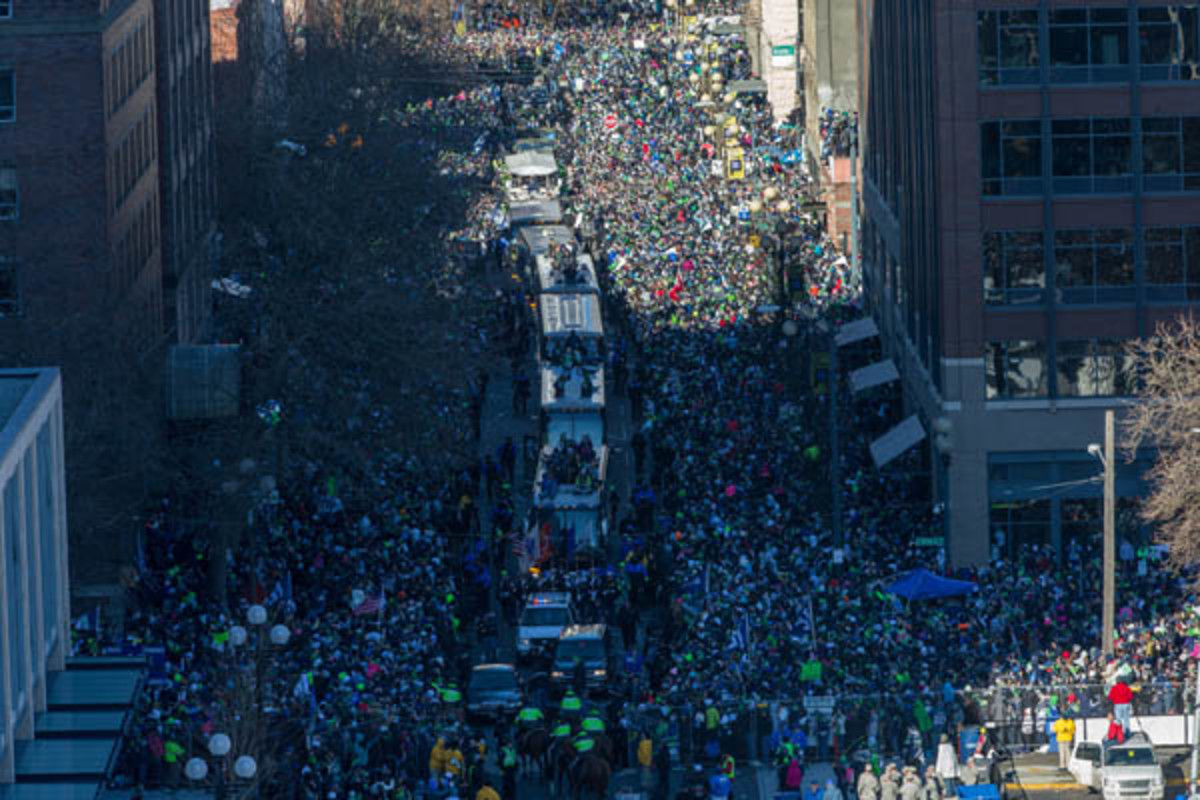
x: 21, y: 392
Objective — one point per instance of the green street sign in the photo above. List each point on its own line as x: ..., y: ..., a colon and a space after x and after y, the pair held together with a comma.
x: 783, y: 50
x: 931, y: 541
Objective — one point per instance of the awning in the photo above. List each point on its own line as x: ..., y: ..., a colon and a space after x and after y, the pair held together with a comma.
x: 856, y: 331
x: 896, y: 441
x: 921, y: 584
x: 876, y: 374
x: 531, y: 163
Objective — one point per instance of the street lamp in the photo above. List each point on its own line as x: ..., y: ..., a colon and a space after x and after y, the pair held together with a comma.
x: 280, y: 634
x: 1108, y: 460
x: 256, y: 614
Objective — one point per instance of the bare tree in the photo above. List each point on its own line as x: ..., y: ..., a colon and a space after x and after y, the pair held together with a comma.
x: 1167, y: 418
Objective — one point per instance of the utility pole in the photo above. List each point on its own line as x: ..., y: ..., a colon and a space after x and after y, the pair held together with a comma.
x: 1110, y: 530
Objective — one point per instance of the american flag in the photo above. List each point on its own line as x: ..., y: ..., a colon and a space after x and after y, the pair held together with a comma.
x: 370, y: 605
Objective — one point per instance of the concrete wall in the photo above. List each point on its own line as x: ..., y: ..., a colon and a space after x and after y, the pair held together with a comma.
x: 780, y: 28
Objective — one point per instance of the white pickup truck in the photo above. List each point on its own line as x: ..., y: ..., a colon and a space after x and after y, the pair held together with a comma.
x: 1127, y: 771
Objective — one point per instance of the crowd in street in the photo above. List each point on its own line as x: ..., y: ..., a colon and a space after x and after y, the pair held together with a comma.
x: 384, y: 585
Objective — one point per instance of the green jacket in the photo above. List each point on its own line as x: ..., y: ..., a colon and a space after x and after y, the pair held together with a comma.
x: 530, y: 714
x: 593, y: 724
x: 571, y: 702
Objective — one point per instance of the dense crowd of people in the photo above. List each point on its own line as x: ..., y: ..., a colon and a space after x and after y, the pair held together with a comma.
x: 384, y: 586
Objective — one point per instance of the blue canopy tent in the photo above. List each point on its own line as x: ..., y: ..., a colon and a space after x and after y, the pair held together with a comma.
x: 921, y: 584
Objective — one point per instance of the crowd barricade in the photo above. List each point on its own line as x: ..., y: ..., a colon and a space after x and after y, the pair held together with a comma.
x: 752, y: 730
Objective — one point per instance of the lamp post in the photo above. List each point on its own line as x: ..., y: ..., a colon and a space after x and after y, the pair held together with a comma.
x: 219, y: 745
x: 1108, y: 460
x: 244, y: 766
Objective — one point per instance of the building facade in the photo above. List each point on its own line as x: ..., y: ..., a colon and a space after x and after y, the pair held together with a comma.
x: 186, y: 166
x: 1031, y: 201
x: 34, y: 627
x: 79, y: 199
x: 829, y: 75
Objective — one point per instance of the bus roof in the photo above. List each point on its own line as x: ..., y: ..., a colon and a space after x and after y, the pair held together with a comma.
x: 564, y: 314
x: 552, y: 280
x: 572, y: 398
x: 531, y: 163
x: 537, y: 212
x: 539, y: 238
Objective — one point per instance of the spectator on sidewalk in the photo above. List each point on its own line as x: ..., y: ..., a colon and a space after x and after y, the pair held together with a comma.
x: 1064, y: 734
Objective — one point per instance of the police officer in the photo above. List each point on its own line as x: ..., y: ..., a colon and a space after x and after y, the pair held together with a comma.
x: 450, y: 694
x: 592, y: 723
x: 508, y: 767
x: 583, y: 743
x: 571, y: 705
x: 530, y: 717
x: 561, y: 731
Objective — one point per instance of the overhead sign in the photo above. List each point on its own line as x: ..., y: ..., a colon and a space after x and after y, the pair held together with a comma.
x: 930, y: 541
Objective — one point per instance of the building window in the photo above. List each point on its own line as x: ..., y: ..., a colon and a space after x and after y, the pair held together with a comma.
x: 5, y: 9
x: 1172, y: 264
x: 8, y: 95
x: 1089, y: 45
x: 1008, y: 47
x: 10, y: 196
x: 1092, y: 156
x: 1011, y: 157
x: 1014, y: 271
x: 1094, y: 266
x: 1171, y: 154
x: 1169, y: 43
x: 10, y: 296
x: 1018, y: 525
x: 1092, y: 368
x: 1015, y: 369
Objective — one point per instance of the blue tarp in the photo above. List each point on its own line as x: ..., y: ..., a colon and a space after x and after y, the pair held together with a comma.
x: 921, y: 584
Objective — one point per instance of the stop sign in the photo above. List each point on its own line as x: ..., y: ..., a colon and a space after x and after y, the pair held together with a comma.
x: 610, y: 121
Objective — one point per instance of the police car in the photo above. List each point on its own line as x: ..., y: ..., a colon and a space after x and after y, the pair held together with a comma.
x: 545, y: 617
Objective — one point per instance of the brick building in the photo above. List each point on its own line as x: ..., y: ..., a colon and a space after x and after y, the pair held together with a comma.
x: 79, y: 198
x: 186, y: 166
x: 1031, y: 201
